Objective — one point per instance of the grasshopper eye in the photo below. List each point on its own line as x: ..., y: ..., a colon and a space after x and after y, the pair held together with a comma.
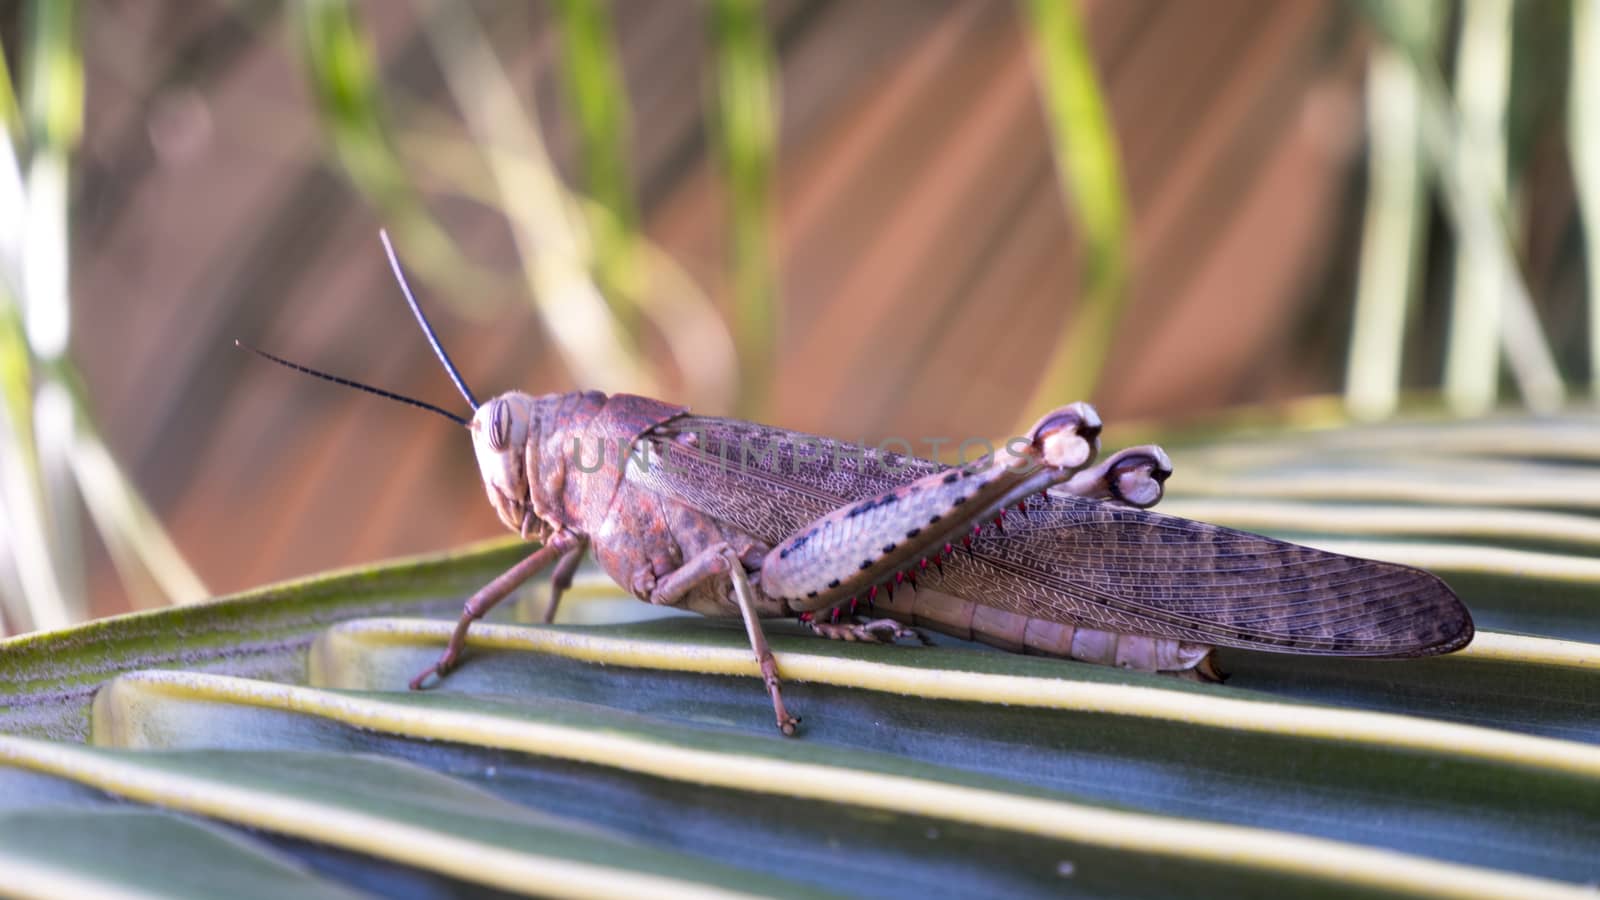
x: 499, y: 426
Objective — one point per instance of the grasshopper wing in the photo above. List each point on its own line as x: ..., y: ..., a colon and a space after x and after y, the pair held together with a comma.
x: 1079, y: 561
x: 1144, y: 572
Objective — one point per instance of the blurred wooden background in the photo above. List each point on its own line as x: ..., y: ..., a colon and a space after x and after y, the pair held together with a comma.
x: 927, y: 260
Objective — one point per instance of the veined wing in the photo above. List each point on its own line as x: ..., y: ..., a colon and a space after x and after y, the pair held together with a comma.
x: 767, y: 481
x: 1082, y: 561
x: 1144, y: 572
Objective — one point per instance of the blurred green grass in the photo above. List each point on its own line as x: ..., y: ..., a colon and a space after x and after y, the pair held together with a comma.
x: 597, y: 279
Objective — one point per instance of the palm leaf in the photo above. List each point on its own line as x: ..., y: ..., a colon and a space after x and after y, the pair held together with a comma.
x: 270, y: 734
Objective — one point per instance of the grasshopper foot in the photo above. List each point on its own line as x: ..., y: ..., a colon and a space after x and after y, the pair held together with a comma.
x: 438, y: 671
x: 876, y: 631
x: 1206, y: 671
x: 1209, y: 671
x: 769, y: 675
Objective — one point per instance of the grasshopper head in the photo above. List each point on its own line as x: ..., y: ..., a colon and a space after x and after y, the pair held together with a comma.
x: 502, y: 432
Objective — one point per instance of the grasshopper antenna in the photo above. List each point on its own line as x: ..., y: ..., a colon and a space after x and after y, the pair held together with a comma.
x: 355, y: 384
x: 427, y: 329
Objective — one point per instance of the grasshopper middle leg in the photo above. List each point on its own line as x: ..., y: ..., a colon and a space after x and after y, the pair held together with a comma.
x: 713, y: 562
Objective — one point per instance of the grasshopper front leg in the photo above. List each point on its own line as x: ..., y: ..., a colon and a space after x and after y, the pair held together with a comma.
x: 563, y: 545
x: 561, y: 579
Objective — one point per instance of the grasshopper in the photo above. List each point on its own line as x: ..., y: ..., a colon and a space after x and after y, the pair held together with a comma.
x: 730, y: 518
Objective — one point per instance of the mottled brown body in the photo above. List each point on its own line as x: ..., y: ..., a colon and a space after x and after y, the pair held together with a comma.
x: 1069, y: 577
x: 606, y: 485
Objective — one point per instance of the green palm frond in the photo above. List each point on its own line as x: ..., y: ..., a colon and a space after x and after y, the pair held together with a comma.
x: 584, y: 759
